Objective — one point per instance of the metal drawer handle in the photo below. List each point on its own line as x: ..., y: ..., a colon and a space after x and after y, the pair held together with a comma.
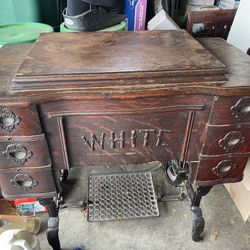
x: 224, y: 167
x: 8, y: 119
x: 17, y: 153
x: 231, y: 140
x: 24, y: 182
x: 242, y: 108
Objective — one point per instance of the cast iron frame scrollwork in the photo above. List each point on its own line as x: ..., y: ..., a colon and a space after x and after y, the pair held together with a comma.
x: 223, y: 164
x: 238, y: 110
x: 12, y: 149
x: 7, y: 113
x: 20, y: 179
x: 230, y: 137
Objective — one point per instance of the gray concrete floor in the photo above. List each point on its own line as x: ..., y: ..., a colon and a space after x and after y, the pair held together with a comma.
x: 224, y: 229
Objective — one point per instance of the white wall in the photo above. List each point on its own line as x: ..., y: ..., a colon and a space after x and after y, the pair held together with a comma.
x: 239, y: 35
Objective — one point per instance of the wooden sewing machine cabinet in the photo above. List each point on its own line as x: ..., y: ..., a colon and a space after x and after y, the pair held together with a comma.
x: 122, y: 98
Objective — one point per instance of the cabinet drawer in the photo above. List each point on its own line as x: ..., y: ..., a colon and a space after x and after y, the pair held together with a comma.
x: 226, y: 139
x: 19, y: 120
x: 215, y: 170
x: 38, y: 182
x: 24, y: 151
x: 230, y: 110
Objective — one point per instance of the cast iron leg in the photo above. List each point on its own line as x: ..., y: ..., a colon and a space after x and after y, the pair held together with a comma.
x: 53, y: 223
x: 198, y: 222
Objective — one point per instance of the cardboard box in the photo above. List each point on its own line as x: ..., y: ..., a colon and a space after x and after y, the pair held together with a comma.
x: 240, y: 194
x: 136, y: 14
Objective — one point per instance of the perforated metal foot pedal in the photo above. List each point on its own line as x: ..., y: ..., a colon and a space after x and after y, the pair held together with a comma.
x: 121, y: 196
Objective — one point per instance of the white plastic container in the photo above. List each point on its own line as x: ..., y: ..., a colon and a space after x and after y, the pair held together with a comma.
x: 18, y: 239
x: 201, y: 2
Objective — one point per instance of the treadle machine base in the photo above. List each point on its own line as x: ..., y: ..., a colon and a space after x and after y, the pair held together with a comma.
x: 121, y: 196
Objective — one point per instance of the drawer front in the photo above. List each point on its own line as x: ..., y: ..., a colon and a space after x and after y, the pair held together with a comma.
x: 226, y: 139
x: 16, y: 183
x: 230, y: 110
x: 19, y: 120
x: 215, y: 170
x: 24, y: 151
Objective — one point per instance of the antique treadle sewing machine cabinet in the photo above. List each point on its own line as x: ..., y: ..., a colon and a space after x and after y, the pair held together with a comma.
x: 74, y: 100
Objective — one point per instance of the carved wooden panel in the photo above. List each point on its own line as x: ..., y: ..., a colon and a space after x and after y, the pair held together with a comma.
x: 218, y: 169
x: 119, y: 132
x: 227, y: 139
x: 24, y: 151
x: 27, y: 182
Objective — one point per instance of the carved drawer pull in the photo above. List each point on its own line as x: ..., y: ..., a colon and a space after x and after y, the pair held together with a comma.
x: 231, y: 140
x: 242, y: 108
x: 8, y: 119
x: 17, y: 153
x: 24, y: 182
x: 224, y: 167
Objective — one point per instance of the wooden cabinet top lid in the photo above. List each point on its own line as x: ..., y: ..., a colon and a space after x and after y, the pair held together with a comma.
x: 75, y: 60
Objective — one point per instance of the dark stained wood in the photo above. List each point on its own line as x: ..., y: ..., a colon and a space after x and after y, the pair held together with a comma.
x: 222, y: 110
x: 227, y: 139
x: 45, y: 186
x: 29, y: 120
x: 206, y: 176
x: 107, y: 56
x: 217, y: 23
x: 36, y: 144
x: 164, y: 118
x: 11, y: 56
x: 169, y: 99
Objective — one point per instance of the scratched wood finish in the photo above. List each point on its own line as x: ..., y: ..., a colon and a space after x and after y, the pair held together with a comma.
x: 206, y: 174
x: 36, y: 145
x: 223, y: 110
x: 183, y: 90
x: 45, y: 186
x: 29, y: 123
x: 120, y: 132
x: 95, y: 58
x: 227, y: 139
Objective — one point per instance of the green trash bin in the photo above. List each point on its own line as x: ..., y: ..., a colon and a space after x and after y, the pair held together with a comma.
x: 22, y: 32
x: 39, y: 11
x: 116, y: 28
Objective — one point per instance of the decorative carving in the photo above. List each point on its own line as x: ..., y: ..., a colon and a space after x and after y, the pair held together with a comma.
x: 94, y: 140
x: 24, y: 182
x: 148, y: 134
x: 8, y: 119
x: 241, y: 109
x: 17, y: 153
x: 120, y: 139
x: 231, y: 140
x: 133, y: 138
x: 159, y: 136
x: 224, y: 167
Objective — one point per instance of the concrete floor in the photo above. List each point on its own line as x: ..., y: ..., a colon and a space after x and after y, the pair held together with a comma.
x: 224, y: 227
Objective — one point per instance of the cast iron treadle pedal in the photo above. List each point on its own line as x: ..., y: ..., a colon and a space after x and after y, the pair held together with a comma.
x: 121, y: 196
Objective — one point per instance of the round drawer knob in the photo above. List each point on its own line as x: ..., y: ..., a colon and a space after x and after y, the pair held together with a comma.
x: 224, y: 167
x: 17, y: 153
x: 8, y: 120
x: 24, y: 182
x: 231, y: 140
